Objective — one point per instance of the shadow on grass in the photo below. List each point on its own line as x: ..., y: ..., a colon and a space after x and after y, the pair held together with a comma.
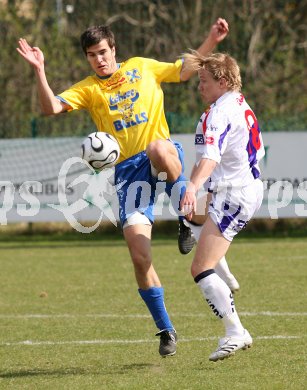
x: 75, y: 371
x: 42, y: 372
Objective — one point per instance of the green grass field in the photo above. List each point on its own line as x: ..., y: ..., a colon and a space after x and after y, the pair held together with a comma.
x: 71, y: 318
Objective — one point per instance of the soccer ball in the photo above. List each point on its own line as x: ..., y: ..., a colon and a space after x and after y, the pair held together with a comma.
x: 100, y: 150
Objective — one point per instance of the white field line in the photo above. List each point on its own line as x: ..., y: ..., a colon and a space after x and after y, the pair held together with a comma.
x: 123, y: 316
x: 118, y: 341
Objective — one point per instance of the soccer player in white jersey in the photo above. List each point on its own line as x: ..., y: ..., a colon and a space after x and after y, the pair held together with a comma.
x: 228, y: 147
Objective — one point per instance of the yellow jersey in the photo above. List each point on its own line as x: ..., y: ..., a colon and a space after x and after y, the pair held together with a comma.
x: 129, y: 104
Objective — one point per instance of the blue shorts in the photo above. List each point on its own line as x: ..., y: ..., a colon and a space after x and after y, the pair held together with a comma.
x: 138, y: 189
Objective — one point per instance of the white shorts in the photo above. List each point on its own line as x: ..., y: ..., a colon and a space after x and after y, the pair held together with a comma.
x: 232, y: 208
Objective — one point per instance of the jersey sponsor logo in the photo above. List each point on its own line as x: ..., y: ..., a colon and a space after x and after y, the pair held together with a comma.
x: 199, y: 139
x: 212, y: 128
x: 132, y: 96
x: 117, y: 79
x: 124, y: 104
x: 133, y: 75
x: 209, y: 140
x: 135, y: 120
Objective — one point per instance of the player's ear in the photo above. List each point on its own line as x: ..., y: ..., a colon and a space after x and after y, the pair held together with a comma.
x: 113, y: 50
x: 223, y: 83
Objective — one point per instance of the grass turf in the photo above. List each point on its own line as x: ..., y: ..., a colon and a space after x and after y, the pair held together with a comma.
x: 71, y: 318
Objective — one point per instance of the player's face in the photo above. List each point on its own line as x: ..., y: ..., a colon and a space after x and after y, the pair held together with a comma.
x: 102, y: 58
x: 210, y: 90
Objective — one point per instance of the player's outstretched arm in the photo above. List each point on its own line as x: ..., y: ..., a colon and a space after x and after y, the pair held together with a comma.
x: 35, y: 57
x: 218, y: 32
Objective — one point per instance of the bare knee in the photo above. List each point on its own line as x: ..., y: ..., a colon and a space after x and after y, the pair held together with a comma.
x: 141, y: 262
x: 156, y: 151
x: 164, y: 157
x: 198, y: 266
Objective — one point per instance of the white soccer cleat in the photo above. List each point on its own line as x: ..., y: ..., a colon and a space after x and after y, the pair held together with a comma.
x: 229, y: 345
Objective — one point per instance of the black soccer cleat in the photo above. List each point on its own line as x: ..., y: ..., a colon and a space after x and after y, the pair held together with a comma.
x: 168, y: 341
x: 186, y: 240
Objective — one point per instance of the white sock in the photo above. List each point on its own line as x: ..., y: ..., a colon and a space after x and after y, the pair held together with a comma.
x: 196, y: 229
x: 219, y: 298
x: 223, y: 270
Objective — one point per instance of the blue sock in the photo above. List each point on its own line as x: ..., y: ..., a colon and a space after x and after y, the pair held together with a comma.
x: 154, y: 299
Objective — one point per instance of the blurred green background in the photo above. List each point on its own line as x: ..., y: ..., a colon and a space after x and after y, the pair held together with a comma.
x: 267, y: 37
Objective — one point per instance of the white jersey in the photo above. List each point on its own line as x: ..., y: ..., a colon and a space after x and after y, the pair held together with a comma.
x: 228, y: 133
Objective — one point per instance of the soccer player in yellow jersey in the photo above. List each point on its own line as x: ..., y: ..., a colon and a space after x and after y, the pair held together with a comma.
x: 126, y: 100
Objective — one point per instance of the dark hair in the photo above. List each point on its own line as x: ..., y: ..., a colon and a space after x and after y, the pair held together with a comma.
x: 94, y: 35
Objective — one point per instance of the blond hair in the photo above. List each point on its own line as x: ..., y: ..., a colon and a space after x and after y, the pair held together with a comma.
x: 219, y: 65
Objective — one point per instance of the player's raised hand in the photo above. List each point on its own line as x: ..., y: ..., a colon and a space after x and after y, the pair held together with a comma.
x: 219, y: 30
x: 33, y: 55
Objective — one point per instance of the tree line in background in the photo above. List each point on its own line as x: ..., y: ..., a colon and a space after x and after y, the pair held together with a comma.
x: 267, y: 37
